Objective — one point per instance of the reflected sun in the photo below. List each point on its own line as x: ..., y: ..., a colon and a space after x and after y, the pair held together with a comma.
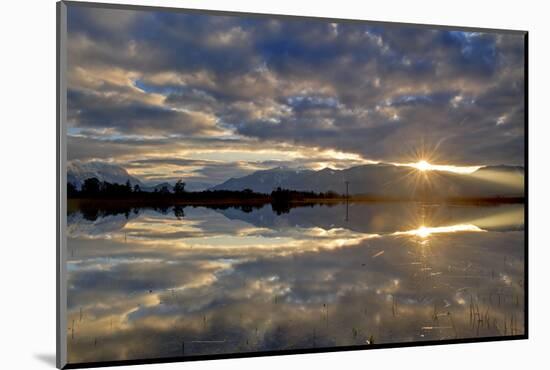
x: 426, y: 231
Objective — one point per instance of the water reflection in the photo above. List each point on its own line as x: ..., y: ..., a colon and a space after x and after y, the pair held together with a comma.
x: 424, y: 231
x: 147, y: 283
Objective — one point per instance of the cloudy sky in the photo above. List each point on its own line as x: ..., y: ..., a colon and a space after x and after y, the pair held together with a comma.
x: 205, y: 98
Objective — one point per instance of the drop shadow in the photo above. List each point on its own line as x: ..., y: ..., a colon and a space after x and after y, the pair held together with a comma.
x: 46, y: 358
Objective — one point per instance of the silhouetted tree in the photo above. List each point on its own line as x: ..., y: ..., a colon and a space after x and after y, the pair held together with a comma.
x: 162, y: 209
x: 137, y: 188
x: 164, y: 190
x: 178, y: 212
x: 91, y: 186
x: 280, y: 207
x: 179, y: 188
x: 128, y: 186
x: 71, y: 190
x: 114, y: 190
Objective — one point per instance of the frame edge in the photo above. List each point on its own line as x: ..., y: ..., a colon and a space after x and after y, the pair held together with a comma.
x: 61, y: 102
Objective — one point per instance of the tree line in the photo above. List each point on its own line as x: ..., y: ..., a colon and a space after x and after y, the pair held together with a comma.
x: 92, y: 188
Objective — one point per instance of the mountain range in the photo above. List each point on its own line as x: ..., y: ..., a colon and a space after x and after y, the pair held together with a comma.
x: 78, y: 172
x: 376, y: 180
x: 386, y: 180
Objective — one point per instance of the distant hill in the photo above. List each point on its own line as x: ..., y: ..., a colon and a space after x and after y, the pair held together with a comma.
x: 386, y: 180
x: 78, y: 171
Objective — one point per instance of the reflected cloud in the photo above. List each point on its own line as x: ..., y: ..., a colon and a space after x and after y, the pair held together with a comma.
x: 226, y: 281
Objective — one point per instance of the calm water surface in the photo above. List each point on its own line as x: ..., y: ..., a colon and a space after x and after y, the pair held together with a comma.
x: 191, y: 281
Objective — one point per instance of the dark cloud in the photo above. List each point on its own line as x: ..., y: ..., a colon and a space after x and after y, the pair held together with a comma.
x: 104, y: 111
x: 376, y: 91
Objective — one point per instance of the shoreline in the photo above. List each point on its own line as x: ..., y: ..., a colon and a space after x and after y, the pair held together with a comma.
x: 77, y: 203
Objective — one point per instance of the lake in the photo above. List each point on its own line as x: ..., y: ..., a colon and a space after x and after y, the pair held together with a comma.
x: 188, y: 281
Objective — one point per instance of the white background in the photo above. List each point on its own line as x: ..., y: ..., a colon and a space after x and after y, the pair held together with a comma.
x: 27, y: 183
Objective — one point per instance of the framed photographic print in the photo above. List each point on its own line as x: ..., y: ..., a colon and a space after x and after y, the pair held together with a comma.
x: 234, y: 184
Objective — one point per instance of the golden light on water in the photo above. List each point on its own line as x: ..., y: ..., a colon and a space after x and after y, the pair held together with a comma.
x: 426, y: 231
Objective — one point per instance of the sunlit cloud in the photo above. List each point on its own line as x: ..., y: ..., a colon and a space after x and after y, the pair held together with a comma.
x: 353, y: 95
x: 425, y: 166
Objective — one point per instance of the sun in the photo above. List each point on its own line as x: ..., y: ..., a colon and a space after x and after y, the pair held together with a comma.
x: 425, y: 166
x: 423, y: 231
x: 422, y: 166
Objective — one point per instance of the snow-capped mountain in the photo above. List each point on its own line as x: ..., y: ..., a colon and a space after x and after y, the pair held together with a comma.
x: 385, y: 180
x: 78, y: 171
